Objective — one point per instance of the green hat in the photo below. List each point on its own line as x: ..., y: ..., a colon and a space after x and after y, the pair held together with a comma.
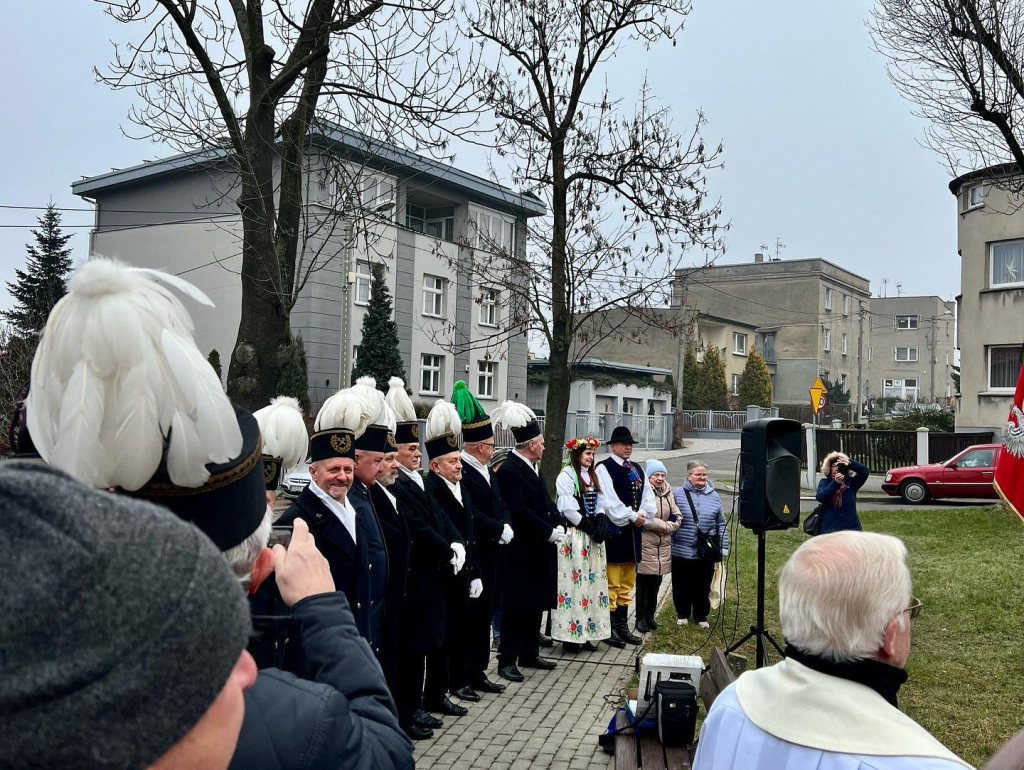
x: 476, y: 425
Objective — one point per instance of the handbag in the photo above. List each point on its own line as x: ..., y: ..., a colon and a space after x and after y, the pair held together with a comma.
x: 709, y: 544
x: 812, y: 524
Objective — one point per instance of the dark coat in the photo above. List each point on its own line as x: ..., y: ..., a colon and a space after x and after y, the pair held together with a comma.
x: 352, y: 564
x: 343, y: 718
x: 531, y: 583
x: 490, y: 519
x: 396, y: 538
x: 430, y: 537
x: 845, y: 516
x: 463, y: 517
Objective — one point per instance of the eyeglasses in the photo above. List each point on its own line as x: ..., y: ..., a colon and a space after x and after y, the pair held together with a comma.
x: 915, y: 607
x: 487, y: 445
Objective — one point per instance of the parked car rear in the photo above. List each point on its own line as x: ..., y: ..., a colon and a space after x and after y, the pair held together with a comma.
x: 967, y: 474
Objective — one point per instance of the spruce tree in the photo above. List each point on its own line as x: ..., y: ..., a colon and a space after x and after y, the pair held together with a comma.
x: 378, y: 347
x: 755, y: 382
x: 294, y: 379
x: 691, y: 375
x: 712, y: 393
x: 214, y: 360
x: 45, y: 278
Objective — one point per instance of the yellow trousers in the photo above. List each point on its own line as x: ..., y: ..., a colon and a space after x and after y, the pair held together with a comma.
x: 621, y: 578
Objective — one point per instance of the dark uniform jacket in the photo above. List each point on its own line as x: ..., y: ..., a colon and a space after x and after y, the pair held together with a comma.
x: 430, y: 551
x: 490, y: 518
x: 396, y: 538
x: 625, y: 545
x: 530, y: 560
x: 343, y: 718
x: 360, y: 569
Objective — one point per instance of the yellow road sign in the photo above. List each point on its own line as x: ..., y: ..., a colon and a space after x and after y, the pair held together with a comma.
x: 818, y: 391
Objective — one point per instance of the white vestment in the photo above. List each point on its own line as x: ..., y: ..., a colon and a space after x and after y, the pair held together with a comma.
x: 789, y: 716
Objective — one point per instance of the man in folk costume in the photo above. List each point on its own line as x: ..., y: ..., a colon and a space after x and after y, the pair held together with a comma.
x: 492, y: 532
x: 631, y: 500
x: 447, y: 670
x: 351, y: 541
x: 436, y: 551
x: 846, y: 608
x: 285, y: 441
x: 124, y: 400
x: 530, y: 582
x: 367, y: 497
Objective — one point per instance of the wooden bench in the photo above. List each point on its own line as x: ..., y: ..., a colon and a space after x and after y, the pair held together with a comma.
x: 716, y: 677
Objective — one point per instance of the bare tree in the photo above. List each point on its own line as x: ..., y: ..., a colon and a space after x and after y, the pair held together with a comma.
x: 625, y: 192
x: 961, y: 62
x: 252, y: 84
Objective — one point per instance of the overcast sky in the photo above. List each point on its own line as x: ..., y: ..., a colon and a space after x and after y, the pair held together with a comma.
x: 820, y: 151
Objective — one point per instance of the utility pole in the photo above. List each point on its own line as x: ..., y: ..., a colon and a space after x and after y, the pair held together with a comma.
x: 860, y: 360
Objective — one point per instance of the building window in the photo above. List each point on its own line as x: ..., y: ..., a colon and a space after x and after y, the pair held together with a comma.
x: 768, y: 347
x: 739, y: 344
x: 903, y: 322
x: 846, y: 304
x: 492, y: 231
x: 842, y: 383
x: 433, y: 296
x: 486, y: 371
x: 975, y: 197
x: 431, y: 367
x: 438, y: 222
x: 355, y: 355
x: 1003, y: 367
x: 828, y: 299
x: 842, y: 345
x: 828, y: 340
x: 1007, y: 264
x: 869, y: 353
x: 377, y: 192
x: 895, y: 388
x: 904, y: 354
x: 363, y: 278
x: 489, y: 307
x: 735, y: 384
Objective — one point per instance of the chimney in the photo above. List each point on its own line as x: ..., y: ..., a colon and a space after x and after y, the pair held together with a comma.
x: 758, y: 258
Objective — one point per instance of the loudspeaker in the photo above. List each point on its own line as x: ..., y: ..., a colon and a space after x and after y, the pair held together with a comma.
x: 770, y: 474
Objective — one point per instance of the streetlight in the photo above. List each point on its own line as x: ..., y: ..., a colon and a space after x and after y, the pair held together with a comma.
x: 932, y: 348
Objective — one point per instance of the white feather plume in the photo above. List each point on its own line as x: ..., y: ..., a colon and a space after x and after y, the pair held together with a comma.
x: 367, y: 388
x: 117, y: 367
x: 443, y: 418
x: 345, y: 409
x: 512, y: 415
x: 399, y: 400
x: 283, y: 431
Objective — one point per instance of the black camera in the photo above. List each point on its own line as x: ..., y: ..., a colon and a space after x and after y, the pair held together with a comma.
x: 843, y: 468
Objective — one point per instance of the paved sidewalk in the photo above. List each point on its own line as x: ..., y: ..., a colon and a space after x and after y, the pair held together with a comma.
x: 551, y: 720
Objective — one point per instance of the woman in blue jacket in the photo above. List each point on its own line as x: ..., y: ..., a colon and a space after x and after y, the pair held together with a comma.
x: 691, y: 575
x: 837, y: 492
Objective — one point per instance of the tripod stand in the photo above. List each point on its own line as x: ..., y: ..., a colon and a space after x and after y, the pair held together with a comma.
x: 758, y: 631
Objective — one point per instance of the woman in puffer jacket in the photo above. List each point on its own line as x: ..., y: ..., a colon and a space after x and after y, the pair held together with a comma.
x: 656, y: 559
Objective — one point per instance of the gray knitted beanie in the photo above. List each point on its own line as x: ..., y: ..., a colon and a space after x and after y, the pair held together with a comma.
x: 119, y: 625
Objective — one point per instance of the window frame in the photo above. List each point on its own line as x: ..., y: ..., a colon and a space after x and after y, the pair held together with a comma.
x: 486, y: 241
x: 846, y: 304
x: 992, y: 265
x: 438, y: 292
x: 490, y: 300
x: 826, y: 344
x: 828, y: 298
x: 909, y: 317
x: 486, y: 371
x: 735, y: 390
x: 989, y: 350
x: 913, y: 354
x: 434, y: 368
x: 741, y: 349
x: 970, y: 203
x: 844, y: 344
x: 362, y: 278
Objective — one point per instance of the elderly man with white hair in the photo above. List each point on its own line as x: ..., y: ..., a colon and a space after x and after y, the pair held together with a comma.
x: 845, y: 607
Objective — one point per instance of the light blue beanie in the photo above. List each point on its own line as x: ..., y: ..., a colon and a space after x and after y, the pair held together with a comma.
x: 655, y: 466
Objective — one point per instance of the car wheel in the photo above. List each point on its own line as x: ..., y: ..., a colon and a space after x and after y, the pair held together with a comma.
x: 914, y: 492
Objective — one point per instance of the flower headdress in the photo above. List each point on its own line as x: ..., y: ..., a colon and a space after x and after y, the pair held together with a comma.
x: 582, y: 444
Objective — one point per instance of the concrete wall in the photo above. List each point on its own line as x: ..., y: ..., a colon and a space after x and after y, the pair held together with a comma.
x: 985, y: 316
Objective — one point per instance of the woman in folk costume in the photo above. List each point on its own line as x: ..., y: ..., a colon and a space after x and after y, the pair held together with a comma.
x: 581, y: 615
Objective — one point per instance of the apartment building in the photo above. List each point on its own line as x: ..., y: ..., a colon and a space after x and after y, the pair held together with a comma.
x: 365, y: 203
x: 911, y: 350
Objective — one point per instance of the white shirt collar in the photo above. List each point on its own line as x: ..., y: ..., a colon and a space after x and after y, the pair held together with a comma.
x: 391, y: 497
x: 526, y: 460
x: 456, y: 489
x: 414, y: 475
x: 344, y: 512
x: 480, y: 468
x: 617, y: 459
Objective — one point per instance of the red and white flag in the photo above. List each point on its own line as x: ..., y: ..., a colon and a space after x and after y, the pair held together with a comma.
x: 1009, y: 476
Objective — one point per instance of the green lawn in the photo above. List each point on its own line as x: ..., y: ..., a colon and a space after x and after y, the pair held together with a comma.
x: 967, y: 649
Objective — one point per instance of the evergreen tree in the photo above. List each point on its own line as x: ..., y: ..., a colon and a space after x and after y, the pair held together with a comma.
x: 836, y: 394
x: 755, y: 382
x: 378, y: 348
x: 712, y: 392
x: 691, y: 375
x: 294, y: 379
x: 45, y: 278
x: 214, y: 359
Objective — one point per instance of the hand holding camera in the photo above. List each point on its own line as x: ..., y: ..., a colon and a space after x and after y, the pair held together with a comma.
x: 301, y: 569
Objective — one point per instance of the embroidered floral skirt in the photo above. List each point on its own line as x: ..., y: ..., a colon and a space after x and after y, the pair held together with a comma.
x: 581, y: 611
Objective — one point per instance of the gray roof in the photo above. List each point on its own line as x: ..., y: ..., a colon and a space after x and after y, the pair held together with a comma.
x: 353, y: 143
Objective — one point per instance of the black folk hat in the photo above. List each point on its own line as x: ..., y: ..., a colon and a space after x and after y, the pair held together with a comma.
x: 621, y: 435
x: 331, y: 443
x: 408, y: 432
x: 375, y: 439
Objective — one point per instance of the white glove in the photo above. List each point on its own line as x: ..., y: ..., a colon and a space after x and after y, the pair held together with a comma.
x: 476, y: 587
x: 506, y: 535
x: 459, y: 559
x: 557, y: 535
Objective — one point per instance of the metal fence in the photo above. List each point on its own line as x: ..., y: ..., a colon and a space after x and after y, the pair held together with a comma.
x: 649, y: 431
x: 883, y: 449
x: 708, y: 420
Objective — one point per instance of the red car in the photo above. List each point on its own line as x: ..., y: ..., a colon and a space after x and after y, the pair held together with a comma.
x: 968, y: 474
